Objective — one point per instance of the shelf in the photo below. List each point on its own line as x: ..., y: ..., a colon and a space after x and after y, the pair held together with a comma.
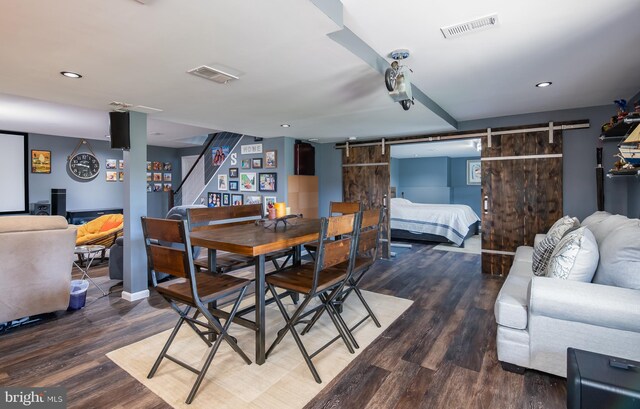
x: 623, y: 173
x: 622, y: 128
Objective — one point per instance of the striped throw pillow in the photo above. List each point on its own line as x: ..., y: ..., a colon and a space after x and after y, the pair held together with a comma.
x: 542, y: 252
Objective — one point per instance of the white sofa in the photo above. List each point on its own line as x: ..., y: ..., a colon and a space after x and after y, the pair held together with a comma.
x: 36, y: 257
x: 540, y: 317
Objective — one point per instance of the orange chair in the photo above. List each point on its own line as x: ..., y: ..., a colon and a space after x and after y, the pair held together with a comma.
x: 101, y: 231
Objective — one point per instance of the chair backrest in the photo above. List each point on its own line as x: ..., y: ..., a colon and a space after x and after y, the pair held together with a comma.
x: 338, y: 208
x: 338, y: 243
x: 163, y: 258
x: 209, y: 218
x: 369, y: 239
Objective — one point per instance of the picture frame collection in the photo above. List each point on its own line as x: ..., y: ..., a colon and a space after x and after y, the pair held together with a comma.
x: 243, y: 180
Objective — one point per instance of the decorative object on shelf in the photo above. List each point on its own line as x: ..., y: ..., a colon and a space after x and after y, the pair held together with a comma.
x: 630, y: 147
x: 253, y: 199
x: 84, y: 165
x: 251, y: 149
x: 474, y: 172
x: 233, y: 185
x: 110, y: 163
x: 622, y: 108
x: 237, y: 199
x: 268, y: 182
x: 40, y: 161
x: 245, y: 164
x: 226, y: 199
x: 214, y: 199
x: 111, y: 175
x: 219, y: 154
x: 256, y: 163
x: 272, y: 224
x: 248, y: 182
x: 268, y: 202
x: 233, y: 172
x: 223, y: 182
x: 271, y: 159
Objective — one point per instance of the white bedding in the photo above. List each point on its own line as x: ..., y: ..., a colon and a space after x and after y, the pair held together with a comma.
x: 448, y: 220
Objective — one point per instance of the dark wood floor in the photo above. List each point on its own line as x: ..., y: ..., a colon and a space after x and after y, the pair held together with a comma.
x: 440, y: 354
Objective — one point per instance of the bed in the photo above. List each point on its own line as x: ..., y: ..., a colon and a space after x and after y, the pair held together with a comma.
x: 443, y: 223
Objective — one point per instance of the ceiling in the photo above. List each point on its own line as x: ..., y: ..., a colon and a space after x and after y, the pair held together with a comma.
x: 462, y: 148
x: 292, y: 72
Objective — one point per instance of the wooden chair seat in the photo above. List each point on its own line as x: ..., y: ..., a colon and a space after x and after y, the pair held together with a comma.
x: 360, y: 264
x: 210, y: 287
x: 226, y: 262
x: 300, y: 278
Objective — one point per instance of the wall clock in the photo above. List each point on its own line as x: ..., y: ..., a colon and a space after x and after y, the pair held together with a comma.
x: 84, y: 165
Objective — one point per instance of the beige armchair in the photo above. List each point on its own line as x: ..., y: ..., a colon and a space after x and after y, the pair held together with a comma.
x: 35, y: 272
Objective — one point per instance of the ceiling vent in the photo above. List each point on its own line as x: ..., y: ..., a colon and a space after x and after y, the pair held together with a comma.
x: 470, y: 26
x: 213, y: 74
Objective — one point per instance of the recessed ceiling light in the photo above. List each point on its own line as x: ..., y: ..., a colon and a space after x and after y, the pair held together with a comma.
x: 70, y: 74
x: 543, y: 84
x: 286, y: 125
x: 353, y: 138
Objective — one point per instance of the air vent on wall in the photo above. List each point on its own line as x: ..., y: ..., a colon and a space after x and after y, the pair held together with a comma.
x: 470, y: 26
x: 213, y: 74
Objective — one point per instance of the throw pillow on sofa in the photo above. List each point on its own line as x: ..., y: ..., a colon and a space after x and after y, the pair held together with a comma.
x: 603, y: 228
x: 543, y: 250
x: 596, y: 217
x: 620, y: 258
x: 575, y: 257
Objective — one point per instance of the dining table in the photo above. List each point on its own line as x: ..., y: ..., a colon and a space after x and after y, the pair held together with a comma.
x: 257, y: 239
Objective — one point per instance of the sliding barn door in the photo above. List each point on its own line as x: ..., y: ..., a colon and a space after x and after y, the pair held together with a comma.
x: 521, y: 192
x: 366, y: 179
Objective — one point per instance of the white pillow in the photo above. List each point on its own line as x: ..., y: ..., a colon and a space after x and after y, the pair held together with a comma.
x: 543, y: 250
x: 596, y: 217
x: 620, y: 258
x: 400, y: 200
x: 575, y: 257
x: 603, y: 228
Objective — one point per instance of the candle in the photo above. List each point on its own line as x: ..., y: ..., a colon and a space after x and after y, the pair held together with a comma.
x: 280, y: 209
x: 288, y: 211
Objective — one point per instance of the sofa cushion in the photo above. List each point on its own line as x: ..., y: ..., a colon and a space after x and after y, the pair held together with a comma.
x: 603, y: 228
x: 511, y: 308
x: 620, y: 258
x: 595, y: 218
x: 14, y: 224
x: 523, y: 253
x: 575, y: 257
x: 542, y: 252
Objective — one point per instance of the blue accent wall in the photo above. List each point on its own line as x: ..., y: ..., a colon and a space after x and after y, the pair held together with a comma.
x: 461, y: 193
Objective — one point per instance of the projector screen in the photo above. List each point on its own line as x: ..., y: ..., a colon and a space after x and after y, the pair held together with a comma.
x: 14, y: 189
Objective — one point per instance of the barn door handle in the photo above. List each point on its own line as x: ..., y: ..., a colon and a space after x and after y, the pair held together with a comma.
x: 486, y: 204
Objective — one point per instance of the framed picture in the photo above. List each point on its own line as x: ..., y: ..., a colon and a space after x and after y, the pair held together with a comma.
x: 226, y: 199
x: 157, y: 187
x: 268, y: 182
x: 149, y: 166
x: 158, y: 165
x: 214, y: 199
x: 248, y: 182
x: 233, y: 185
x: 256, y: 163
x: 167, y: 187
x: 233, y: 172
x: 149, y: 176
x: 245, y: 164
x: 223, y: 182
x: 121, y: 164
x: 268, y: 200
x: 253, y: 199
x: 474, y: 172
x: 111, y: 164
x: 167, y: 177
x: 219, y: 154
x: 167, y: 166
x: 157, y: 177
x: 251, y: 149
x: 236, y: 199
x: 40, y: 161
x: 271, y: 159
x: 149, y: 187
x: 121, y: 176
x: 111, y: 175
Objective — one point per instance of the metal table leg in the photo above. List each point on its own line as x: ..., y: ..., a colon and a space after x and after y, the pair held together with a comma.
x: 260, y: 313
x: 85, y: 272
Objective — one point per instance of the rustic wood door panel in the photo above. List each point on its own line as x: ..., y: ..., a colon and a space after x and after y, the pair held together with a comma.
x: 521, y: 191
x: 366, y: 179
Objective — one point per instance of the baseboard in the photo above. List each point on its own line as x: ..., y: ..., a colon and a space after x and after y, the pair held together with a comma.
x: 131, y: 297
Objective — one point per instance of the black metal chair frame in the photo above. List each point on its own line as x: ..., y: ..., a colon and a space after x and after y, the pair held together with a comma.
x: 334, y: 210
x: 326, y: 297
x: 212, y: 328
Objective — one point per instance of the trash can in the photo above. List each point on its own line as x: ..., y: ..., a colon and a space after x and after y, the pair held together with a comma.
x: 78, y: 294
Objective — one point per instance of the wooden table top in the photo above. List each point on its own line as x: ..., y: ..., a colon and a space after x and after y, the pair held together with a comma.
x: 252, y: 240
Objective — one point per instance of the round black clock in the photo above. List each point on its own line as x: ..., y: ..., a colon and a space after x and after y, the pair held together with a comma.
x: 84, y: 165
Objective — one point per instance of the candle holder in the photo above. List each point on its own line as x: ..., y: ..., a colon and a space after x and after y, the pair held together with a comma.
x: 272, y: 224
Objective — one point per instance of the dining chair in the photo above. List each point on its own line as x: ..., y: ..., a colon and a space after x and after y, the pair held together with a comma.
x: 366, y: 256
x: 319, y: 280
x: 193, y: 290
x: 335, y: 209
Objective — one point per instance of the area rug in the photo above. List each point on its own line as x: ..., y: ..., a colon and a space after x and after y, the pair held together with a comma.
x: 284, y: 381
x: 472, y: 245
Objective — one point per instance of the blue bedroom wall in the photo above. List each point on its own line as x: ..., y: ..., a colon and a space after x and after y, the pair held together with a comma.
x: 461, y: 193
x: 424, y: 180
